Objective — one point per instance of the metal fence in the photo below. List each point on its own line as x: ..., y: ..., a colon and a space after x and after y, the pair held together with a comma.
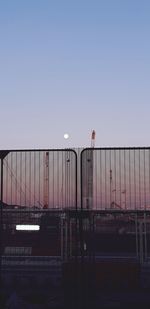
x: 115, y: 178
x: 40, y: 178
x: 101, y: 178
x: 89, y: 205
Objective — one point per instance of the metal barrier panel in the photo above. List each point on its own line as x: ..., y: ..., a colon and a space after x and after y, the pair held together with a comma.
x: 40, y: 178
x: 99, y: 244
x: 31, y: 260
x: 115, y: 178
x: 32, y: 234
x: 35, y: 188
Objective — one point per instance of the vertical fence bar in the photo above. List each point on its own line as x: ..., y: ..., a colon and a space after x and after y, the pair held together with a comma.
x: 1, y: 221
x: 137, y: 235
x: 3, y: 154
x: 100, y: 179
x: 139, y: 178
x: 134, y: 181
x: 111, y: 175
x: 125, y: 193
x: 145, y: 235
x: 105, y: 182
x: 120, y: 188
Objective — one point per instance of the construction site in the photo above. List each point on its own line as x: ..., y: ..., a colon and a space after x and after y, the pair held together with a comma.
x: 75, y: 227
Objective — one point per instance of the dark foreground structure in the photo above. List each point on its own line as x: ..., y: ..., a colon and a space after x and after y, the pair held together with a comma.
x: 75, y: 228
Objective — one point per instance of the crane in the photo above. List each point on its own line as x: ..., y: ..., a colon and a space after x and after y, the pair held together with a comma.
x: 89, y: 174
x: 93, y: 138
x: 46, y: 180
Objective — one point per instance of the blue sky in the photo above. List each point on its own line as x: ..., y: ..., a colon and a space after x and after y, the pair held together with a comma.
x: 73, y: 66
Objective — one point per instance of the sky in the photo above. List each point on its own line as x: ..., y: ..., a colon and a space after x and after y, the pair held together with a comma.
x: 71, y: 67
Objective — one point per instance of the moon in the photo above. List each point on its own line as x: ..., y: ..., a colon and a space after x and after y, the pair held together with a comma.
x: 66, y: 136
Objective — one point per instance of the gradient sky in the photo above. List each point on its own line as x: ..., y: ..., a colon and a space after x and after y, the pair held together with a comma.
x: 73, y: 66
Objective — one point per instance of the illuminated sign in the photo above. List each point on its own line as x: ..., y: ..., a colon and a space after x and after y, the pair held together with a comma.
x: 27, y: 227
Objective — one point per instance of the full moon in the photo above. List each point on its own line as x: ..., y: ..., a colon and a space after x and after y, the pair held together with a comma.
x: 66, y: 135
